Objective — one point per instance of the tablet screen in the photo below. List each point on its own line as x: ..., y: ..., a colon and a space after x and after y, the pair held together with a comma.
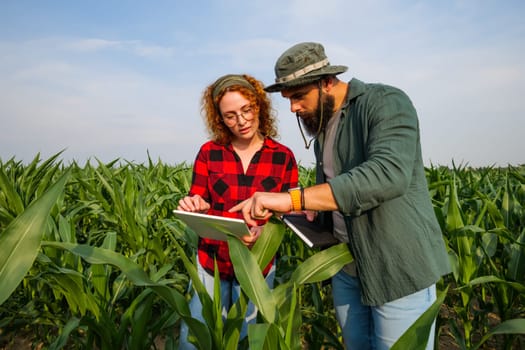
x: 212, y: 227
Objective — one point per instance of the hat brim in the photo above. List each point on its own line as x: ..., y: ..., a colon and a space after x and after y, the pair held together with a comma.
x: 307, y: 78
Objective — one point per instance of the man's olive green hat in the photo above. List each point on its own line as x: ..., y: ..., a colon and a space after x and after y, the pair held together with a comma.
x: 302, y: 64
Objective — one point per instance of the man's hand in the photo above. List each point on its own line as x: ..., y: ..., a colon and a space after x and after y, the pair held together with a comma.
x: 262, y: 205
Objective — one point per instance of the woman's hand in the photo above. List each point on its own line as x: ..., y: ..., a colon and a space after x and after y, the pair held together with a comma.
x: 194, y: 203
x: 250, y: 240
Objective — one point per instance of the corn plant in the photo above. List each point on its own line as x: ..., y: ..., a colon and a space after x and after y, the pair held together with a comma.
x: 21, y: 239
x: 486, y: 252
x: 114, y: 266
x: 279, y: 310
x: 98, y: 298
x: 20, y: 185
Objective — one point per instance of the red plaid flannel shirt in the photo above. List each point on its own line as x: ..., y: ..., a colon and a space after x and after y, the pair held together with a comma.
x: 218, y: 176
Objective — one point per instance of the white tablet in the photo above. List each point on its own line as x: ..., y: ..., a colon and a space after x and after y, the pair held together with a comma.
x: 213, y: 227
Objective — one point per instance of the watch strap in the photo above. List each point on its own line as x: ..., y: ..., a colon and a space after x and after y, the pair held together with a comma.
x: 295, y: 195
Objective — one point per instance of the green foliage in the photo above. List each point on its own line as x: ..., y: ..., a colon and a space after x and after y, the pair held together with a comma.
x: 482, y: 220
x: 21, y: 239
x: 93, y: 258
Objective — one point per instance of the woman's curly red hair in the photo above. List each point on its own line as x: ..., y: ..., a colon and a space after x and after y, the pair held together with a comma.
x: 259, y: 99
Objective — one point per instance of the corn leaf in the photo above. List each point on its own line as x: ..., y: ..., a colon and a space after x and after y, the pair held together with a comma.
x: 12, y: 197
x: 520, y: 287
x: 322, y: 265
x: 416, y: 336
x: 136, y: 275
x: 21, y: 239
x: 61, y: 341
x: 251, y: 279
x: 264, y: 336
x: 454, y: 219
x: 516, y: 270
x: 514, y: 326
x: 268, y: 243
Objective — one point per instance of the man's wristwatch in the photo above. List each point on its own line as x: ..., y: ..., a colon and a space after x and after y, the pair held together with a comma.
x: 297, y: 196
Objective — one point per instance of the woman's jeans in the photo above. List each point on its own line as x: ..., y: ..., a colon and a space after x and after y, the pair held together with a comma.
x: 230, y: 292
x: 376, y: 327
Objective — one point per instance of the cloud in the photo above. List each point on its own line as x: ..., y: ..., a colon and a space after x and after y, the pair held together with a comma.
x: 135, y: 47
x: 58, y: 101
x: 116, y: 91
x: 92, y: 44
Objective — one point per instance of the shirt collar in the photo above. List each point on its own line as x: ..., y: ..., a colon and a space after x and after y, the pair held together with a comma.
x: 270, y: 143
x: 355, y: 88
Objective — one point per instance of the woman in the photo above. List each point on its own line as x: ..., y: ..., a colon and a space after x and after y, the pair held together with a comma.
x: 241, y: 158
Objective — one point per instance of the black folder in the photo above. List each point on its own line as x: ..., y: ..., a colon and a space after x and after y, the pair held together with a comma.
x: 311, y: 233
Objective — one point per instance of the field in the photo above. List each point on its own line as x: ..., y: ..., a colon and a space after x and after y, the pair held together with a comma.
x: 92, y: 258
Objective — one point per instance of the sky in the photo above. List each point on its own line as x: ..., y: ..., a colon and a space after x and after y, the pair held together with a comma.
x: 107, y: 80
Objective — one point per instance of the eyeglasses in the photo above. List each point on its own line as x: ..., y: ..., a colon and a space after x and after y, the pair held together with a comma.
x: 231, y: 118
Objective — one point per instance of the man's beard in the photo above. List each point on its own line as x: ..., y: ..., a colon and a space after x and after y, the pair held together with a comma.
x: 312, y: 120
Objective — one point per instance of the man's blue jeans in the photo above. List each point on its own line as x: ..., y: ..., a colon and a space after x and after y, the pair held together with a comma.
x: 230, y: 292
x: 376, y: 327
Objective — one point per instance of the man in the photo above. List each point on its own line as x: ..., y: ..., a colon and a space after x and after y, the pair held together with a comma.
x: 372, y: 185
